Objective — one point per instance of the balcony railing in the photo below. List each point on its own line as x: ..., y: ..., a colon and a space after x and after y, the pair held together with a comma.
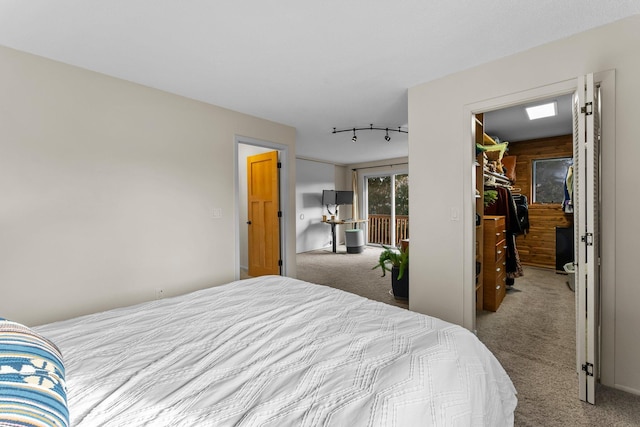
x: 380, y: 229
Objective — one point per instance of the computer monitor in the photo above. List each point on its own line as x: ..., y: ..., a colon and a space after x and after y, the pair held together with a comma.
x: 344, y: 197
x: 328, y: 197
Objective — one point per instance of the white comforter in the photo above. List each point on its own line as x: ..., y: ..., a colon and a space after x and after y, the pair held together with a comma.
x: 275, y: 351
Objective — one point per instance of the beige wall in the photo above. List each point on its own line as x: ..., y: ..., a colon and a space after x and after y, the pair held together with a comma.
x: 440, y: 134
x: 108, y: 190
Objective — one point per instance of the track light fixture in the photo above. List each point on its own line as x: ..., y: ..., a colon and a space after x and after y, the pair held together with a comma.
x: 354, y: 138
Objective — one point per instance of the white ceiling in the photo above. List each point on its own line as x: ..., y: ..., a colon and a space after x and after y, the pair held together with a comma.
x: 311, y: 65
x: 512, y: 124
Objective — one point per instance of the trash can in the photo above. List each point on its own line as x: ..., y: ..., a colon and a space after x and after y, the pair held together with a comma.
x: 354, y: 240
x: 570, y: 269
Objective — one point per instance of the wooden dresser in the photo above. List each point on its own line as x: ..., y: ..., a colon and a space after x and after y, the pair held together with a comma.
x: 494, y: 255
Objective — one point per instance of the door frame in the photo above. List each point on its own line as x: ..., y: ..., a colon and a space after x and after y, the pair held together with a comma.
x: 606, y: 79
x: 283, y: 156
x: 532, y: 95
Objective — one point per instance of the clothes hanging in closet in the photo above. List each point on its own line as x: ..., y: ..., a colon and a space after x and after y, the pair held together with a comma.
x: 567, y: 204
x: 522, y: 211
x: 506, y: 206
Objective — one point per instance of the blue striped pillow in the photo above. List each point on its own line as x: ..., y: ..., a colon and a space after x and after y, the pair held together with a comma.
x: 32, y: 386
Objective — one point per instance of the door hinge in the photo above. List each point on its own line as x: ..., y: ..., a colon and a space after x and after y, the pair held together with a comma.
x: 588, y: 368
x: 279, y: 165
x: 279, y: 214
x: 279, y: 263
x: 588, y: 239
x: 587, y: 109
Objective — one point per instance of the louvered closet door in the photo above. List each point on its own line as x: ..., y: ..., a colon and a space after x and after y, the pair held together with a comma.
x: 586, y: 196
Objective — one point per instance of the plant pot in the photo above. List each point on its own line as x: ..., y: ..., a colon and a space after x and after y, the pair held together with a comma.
x: 400, y: 287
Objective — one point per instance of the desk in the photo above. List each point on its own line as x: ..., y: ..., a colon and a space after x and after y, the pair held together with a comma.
x: 340, y: 222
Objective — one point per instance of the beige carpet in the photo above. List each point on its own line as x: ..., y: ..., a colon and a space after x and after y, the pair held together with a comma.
x: 532, y: 334
x: 350, y: 272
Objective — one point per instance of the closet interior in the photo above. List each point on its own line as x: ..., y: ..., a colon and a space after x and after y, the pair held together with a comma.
x: 512, y: 228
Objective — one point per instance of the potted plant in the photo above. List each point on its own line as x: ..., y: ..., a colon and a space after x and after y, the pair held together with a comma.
x: 396, y: 260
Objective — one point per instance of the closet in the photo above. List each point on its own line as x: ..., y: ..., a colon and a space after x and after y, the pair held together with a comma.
x: 549, y: 153
x: 501, y: 215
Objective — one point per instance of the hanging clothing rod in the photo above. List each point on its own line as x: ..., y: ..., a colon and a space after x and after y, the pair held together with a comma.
x: 498, y: 176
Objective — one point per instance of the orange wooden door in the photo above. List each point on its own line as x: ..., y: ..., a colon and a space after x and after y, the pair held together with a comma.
x: 263, y: 219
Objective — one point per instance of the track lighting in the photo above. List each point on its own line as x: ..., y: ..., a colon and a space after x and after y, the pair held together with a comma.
x: 387, y: 138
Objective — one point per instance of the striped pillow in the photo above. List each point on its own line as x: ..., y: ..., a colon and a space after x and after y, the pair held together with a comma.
x: 32, y: 387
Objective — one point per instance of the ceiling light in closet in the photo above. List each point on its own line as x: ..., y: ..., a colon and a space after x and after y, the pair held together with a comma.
x: 543, y: 110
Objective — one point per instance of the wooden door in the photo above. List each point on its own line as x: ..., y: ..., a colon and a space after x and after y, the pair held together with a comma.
x: 263, y: 214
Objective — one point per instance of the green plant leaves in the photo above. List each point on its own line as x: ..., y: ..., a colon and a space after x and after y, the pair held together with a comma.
x: 393, y: 257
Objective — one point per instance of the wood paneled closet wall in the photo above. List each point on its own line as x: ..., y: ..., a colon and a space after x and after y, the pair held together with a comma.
x: 538, y: 247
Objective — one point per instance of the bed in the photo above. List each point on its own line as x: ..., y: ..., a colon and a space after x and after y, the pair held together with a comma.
x: 276, y: 351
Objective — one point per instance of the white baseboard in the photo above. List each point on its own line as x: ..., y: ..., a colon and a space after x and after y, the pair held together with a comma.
x: 626, y: 389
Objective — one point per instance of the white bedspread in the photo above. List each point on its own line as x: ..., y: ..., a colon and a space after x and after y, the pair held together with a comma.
x: 275, y: 351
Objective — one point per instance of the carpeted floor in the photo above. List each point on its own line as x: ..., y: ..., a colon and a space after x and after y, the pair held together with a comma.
x: 532, y: 335
x: 350, y: 272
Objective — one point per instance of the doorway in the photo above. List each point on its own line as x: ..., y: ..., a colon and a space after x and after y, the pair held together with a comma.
x: 246, y: 148
x: 263, y: 214
x: 536, y: 163
x: 604, y: 331
x: 536, y: 311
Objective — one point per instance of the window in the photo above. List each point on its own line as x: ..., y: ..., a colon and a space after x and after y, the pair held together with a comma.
x: 549, y: 176
x: 387, y: 208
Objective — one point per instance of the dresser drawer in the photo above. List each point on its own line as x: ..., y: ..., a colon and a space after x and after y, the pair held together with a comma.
x: 495, y: 270
x: 495, y: 262
x: 500, y: 233
x: 501, y: 285
x: 494, y: 238
x: 494, y: 293
x: 501, y: 251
